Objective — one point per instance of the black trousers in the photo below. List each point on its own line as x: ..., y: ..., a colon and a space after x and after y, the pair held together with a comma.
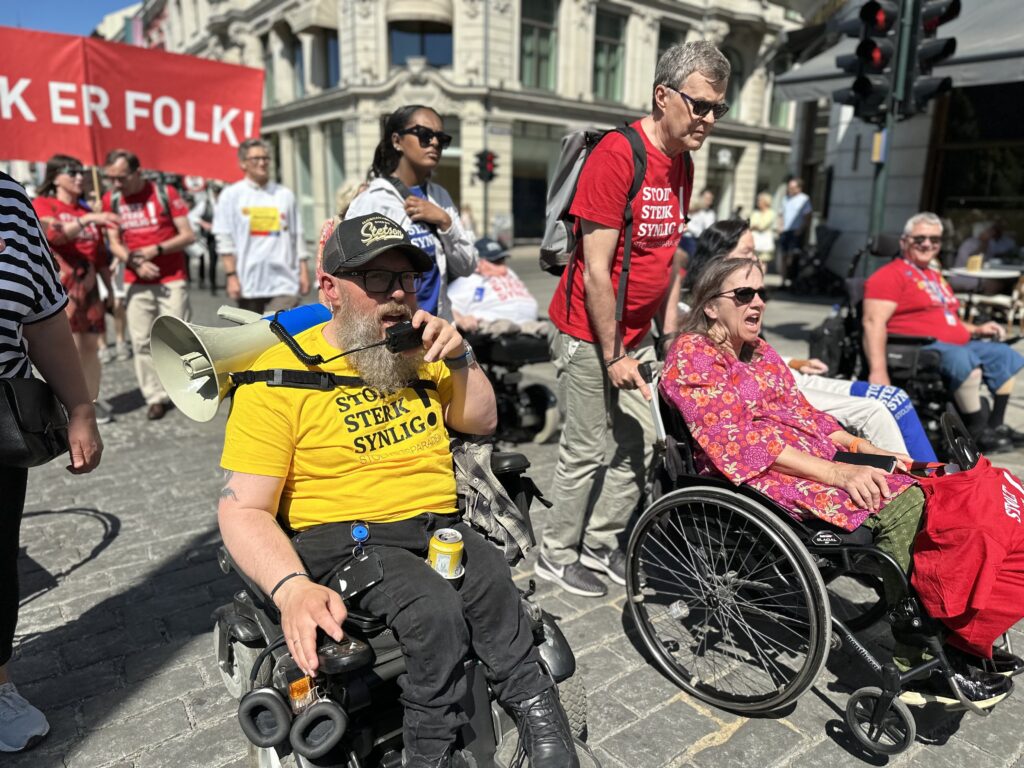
x: 438, y: 621
x: 13, y: 481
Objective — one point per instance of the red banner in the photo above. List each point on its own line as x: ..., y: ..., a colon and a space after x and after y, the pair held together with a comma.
x: 84, y: 97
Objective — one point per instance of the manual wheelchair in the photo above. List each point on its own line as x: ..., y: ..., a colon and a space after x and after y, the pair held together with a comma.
x: 353, y: 717
x: 731, y: 598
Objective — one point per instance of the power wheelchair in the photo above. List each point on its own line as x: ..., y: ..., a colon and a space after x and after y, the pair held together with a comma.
x: 350, y: 716
x: 731, y: 595
x: 527, y: 414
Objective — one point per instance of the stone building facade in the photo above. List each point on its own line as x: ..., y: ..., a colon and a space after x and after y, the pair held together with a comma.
x: 509, y: 76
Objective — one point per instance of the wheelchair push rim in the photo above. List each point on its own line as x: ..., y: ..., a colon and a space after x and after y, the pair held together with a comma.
x: 727, y: 600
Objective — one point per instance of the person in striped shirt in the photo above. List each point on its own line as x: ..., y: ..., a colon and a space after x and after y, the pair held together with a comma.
x: 34, y: 330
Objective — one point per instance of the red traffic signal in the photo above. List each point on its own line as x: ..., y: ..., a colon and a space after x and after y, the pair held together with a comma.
x: 927, y: 50
x: 874, y: 19
x: 486, y: 165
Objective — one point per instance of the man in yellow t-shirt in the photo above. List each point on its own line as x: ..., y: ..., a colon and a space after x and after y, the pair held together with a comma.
x: 374, y: 449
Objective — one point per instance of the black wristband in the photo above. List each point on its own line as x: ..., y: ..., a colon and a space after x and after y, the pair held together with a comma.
x: 230, y: 274
x: 614, y: 360
x: 282, y: 581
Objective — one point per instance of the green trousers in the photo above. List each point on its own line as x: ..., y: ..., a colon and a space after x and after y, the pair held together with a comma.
x: 894, y: 529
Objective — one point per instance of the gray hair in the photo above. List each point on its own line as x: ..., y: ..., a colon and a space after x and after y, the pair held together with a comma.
x: 245, y: 146
x: 926, y: 217
x: 682, y: 60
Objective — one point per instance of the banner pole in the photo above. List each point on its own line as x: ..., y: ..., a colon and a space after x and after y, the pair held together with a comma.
x: 97, y: 195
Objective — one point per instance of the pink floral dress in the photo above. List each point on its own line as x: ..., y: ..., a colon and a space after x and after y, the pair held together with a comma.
x: 742, y: 414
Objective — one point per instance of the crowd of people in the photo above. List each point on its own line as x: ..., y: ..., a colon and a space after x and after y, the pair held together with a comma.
x: 304, y: 464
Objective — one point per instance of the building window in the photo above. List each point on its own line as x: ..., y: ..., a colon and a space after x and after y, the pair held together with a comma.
x: 428, y: 39
x: 669, y: 36
x: 331, y: 65
x: 304, y: 179
x: 269, y: 94
x: 335, y: 145
x: 298, y: 68
x: 779, y: 117
x: 734, y: 92
x: 539, y: 44
x: 609, y: 31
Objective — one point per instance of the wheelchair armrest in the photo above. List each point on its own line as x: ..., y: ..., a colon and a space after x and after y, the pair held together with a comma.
x: 899, y: 338
x: 508, y: 461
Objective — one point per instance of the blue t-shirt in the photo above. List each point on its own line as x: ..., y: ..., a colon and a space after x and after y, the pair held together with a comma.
x: 422, y: 237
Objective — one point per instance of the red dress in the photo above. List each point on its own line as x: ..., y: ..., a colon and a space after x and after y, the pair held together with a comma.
x: 79, y: 258
x: 742, y: 414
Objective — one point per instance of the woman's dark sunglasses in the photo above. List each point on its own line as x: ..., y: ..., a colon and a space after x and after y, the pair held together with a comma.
x: 700, y: 107
x: 744, y: 295
x: 383, y: 280
x: 425, y: 135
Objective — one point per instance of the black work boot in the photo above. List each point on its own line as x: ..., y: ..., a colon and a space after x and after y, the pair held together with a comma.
x: 544, y: 733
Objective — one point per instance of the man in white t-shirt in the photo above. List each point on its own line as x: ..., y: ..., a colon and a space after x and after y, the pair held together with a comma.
x: 259, y: 238
x: 492, y: 294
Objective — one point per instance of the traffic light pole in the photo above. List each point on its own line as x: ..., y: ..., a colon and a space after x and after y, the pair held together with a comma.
x: 908, y: 18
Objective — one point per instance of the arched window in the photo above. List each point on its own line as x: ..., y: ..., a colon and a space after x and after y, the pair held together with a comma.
x: 736, y: 79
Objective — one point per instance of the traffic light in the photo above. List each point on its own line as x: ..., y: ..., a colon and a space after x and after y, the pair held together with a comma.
x: 871, y: 63
x: 486, y: 165
x: 927, y: 50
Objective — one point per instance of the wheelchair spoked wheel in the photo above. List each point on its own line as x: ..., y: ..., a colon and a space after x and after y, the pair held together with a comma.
x: 239, y: 662
x: 962, y: 447
x: 887, y: 733
x: 727, y: 599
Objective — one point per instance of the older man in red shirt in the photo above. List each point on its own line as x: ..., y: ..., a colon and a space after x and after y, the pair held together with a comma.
x: 908, y: 296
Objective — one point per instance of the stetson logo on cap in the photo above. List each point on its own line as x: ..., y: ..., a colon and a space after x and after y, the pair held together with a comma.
x: 378, y: 229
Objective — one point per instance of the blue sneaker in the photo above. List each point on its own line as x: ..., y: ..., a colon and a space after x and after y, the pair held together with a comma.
x: 21, y: 725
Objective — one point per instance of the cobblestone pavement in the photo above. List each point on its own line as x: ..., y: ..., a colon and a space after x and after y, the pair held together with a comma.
x: 120, y: 578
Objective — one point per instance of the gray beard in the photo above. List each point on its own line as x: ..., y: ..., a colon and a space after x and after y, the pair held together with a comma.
x: 380, y: 368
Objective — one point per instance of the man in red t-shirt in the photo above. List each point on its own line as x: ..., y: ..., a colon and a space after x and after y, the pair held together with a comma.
x: 907, y: 296
x: 150, y: 239
x: 597, y: 358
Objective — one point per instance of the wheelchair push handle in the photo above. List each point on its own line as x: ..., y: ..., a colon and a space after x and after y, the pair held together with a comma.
x: 646, y: 372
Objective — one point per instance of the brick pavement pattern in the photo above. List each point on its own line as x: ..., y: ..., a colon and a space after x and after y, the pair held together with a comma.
x: 120, y: 578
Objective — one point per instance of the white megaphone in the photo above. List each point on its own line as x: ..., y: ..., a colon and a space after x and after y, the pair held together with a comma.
x: 194, y: 363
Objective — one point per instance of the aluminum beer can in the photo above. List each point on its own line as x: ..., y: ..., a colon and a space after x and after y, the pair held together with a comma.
x: 445, y: 553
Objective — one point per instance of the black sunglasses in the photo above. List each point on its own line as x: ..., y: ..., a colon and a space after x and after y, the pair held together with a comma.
x: 701, y: 107
x: 744, y: 295
x: 921, y: 240
x: 383, y: 280
x: 425, y: 135
x: 73, y: 170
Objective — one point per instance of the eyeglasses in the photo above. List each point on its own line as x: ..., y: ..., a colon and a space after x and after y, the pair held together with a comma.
x: 744, y: 295
x: 920, y: 241
x: 73, y: 170
x: 425, y: 135
x: 701, y: 107
x: 383, y: 280
x: 258, y: 159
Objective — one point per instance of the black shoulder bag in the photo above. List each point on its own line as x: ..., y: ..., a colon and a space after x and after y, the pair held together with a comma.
x: 33, y: 423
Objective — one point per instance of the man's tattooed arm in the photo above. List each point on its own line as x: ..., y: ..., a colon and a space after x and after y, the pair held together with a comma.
x: 227, y: 492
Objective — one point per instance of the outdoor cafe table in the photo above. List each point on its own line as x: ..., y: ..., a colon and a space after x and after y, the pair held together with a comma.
x: 984, y: 282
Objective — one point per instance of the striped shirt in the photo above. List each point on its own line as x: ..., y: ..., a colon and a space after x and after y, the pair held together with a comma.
x: 30, y: 288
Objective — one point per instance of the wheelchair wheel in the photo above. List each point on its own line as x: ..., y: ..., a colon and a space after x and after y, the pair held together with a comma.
x: 727, y: 599
x: 887, y: 733
x: 573, y: 695
x: 961, y: 445
x: 240, y: 660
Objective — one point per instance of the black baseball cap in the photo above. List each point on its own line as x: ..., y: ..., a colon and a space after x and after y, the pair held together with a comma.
x: 356, y: 241
x: 490, y: 250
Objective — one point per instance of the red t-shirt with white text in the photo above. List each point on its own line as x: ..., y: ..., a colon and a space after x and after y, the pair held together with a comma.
x: 85, y: 245
x: 144, y: 221
x: 658, y: 213
x: 925, y: 303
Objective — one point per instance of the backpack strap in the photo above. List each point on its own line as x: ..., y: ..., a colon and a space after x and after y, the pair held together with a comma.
x: 636, y: 143
x: 164, y: 198
x: 687, y: 185
x: 115, y: 202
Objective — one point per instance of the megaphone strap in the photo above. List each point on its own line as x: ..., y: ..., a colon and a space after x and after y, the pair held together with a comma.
x: 320, y: 380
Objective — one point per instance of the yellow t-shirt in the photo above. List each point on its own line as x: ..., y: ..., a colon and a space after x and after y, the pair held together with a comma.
x: 346, y: 454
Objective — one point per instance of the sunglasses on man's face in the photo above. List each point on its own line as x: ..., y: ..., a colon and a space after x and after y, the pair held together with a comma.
x: 920, y: 241
x: 425, y: 136
x: 701, y: 107
x: 744, y: 295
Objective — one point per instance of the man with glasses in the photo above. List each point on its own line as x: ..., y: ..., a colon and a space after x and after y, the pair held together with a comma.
x: 909, y: 296
x: 150, y: 239
x: 258, y: 232
x: 375, y: 449
x: 596, y: 357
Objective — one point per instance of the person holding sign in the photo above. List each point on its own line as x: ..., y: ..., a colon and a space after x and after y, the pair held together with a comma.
x: 258, y: 232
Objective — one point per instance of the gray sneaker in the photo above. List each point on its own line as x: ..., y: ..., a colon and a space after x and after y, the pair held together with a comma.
x: 124, y: 351
x: 106, y: 354
x: 609, y: 561
x: 104, y: 415
x: 21, y: 725
x: 572, y: 578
